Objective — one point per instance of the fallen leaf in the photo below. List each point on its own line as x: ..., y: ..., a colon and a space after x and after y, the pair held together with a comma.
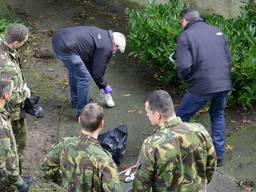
x: 229, y: 147
x: 131, y: 110
x: 127, y: 95
x: 50, y: 69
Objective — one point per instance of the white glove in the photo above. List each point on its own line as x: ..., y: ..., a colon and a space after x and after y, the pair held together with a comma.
x: 26, y: 90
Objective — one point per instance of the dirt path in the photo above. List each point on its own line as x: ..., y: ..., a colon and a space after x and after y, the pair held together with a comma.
x: 47, y: 78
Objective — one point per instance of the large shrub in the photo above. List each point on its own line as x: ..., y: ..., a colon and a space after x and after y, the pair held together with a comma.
x: 3, y: 24
x: 153, y: 31
x: 241, y: 32
x: 152, y: 35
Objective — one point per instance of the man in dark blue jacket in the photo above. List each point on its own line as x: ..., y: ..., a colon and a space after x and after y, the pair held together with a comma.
x: 203, y: 59
x: 85, y: 52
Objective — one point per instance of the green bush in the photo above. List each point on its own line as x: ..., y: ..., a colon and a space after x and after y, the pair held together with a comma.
x: 4, y: 22
x: 241, y: 32
x: 154, y: 29
x: 152, y: 36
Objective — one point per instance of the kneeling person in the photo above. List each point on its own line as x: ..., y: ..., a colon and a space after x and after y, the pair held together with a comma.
x: 178, y: 156
x: 80, y: 161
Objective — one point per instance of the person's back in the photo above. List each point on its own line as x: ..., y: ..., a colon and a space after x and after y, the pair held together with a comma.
x: 85, y: 166
x: 83, y: 41
x: 80, y: 163
x: 182, y: 154
x: 203, y: 59
x: 178, y: 157
x: 197, y: 156
x: 210, y: 58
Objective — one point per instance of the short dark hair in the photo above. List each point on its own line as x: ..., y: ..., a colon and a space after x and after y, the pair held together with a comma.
x: 91, y: 117
x: 15, y: 32
x: 161, y: 102
x: 5, y: 86
x: 190, y: 14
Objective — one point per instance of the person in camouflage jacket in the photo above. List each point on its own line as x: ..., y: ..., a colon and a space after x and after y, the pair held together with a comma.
x: 80, y: 162
x: 178, y: 157
x: 10, y: 178
x: 15, y: 36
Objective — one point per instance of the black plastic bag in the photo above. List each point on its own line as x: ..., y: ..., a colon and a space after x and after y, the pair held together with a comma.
x: 114, y: 141
x: 32, y: 107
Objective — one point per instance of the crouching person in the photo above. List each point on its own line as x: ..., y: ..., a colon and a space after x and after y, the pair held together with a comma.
x: 178, y: 156
x: 80, y: 162
x: 10, y: 179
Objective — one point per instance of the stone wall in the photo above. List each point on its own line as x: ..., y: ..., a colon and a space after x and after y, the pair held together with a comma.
x: 227, y: 8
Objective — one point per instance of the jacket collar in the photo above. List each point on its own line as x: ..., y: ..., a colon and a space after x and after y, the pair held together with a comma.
x: 110, y: 33
x: 7, y: 49
x: 88, y: 139
x: 193, y: 22
x: 171, y: 122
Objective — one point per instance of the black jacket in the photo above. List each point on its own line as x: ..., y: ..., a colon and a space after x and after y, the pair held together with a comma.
x: 203, y: 58
x: 92, y: 44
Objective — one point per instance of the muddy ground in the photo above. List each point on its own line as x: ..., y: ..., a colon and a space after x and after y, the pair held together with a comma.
x: 131, y: 82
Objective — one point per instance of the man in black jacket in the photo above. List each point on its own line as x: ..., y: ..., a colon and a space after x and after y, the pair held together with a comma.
x: 203, y: 59
x: 85, y: 52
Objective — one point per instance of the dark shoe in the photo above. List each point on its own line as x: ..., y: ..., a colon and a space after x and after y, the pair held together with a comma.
x: 219, y: 162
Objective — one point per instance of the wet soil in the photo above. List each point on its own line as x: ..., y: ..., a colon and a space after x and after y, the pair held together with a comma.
x: 131, y: 82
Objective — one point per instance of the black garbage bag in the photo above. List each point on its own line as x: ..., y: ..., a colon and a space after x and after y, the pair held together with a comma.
x: 114, y: 141
x: 32, y: 107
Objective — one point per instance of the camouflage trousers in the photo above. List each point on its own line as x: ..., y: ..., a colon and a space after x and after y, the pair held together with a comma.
x: 5, y: 185
x: 19, y: 130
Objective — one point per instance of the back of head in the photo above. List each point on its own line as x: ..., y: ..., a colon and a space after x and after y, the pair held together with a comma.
x: 91, y: 117
x: 161, y: 102
x: 190, y: 14
x: 119, y: 39
x: 15, y: 32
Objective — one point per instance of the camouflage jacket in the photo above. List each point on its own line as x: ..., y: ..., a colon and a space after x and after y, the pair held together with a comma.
x: 178, y: 157
x: 10, y: 69
x: 9, y: 166
x: 83, y: 166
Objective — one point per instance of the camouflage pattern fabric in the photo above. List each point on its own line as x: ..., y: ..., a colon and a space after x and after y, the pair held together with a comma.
x: 9, y: 167
x: 10, y: 69
x: 19, y: 131
x: 83, y: 166
x: 178, y: 157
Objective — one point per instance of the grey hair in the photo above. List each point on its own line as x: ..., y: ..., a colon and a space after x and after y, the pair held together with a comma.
x: 15, y: 32
x: 161, y: 102
x: 119, y: 39
x: 5, y: 86
x: 190, y: 14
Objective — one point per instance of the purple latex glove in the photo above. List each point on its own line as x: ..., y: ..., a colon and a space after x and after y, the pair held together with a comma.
x: 107, y: 89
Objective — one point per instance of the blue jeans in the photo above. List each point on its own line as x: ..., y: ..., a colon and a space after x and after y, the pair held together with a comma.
x: 79, y: 79
x: 191, y: 103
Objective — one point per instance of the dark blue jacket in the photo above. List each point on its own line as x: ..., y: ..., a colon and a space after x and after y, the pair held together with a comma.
x: 92, y: 44
x: 203, y: 58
